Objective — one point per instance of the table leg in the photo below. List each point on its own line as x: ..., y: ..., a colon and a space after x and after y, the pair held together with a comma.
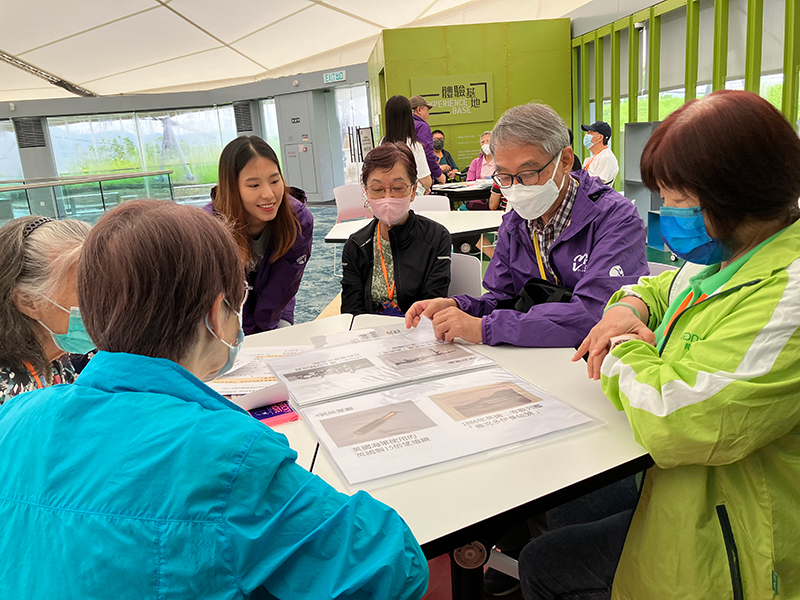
x: 466, y: 571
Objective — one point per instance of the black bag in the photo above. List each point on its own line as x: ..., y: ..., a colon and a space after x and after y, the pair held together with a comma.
x: 536, y: 291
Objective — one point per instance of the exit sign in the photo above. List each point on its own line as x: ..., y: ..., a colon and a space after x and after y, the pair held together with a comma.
x: 335, y: 76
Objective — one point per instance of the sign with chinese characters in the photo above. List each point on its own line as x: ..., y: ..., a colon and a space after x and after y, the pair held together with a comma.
x: 457, y: 98
x: 335, y: 76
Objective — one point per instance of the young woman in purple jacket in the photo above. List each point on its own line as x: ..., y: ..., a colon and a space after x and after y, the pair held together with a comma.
x: 272, y: 227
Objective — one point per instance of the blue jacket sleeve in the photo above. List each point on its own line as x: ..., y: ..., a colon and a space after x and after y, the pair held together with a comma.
x: 293, y: 534
x: 566, y: 324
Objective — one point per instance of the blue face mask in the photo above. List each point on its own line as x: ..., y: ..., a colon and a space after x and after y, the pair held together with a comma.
x: 76, y: 340
x: 587, y: 141
x: 684, y: 232
x: 233, y: 350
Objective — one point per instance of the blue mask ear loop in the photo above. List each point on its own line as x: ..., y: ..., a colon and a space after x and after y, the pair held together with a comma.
x: 238, y: 341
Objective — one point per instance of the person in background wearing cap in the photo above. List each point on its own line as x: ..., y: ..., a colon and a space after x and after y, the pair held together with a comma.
x: 421, y: 109
x: 602, y: 163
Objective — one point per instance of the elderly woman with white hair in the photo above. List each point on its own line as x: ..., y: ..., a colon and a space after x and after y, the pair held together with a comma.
x: 482, y: 167
x: 39, y: 316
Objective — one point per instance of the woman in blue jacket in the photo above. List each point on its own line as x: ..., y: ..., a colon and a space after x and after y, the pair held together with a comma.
x: 272, y: 228
x: 139, y: 481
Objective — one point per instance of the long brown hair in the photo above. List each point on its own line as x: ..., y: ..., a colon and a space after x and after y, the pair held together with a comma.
x: 227, y: 201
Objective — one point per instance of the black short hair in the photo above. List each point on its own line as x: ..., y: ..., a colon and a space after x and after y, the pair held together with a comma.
x: 438, y: 131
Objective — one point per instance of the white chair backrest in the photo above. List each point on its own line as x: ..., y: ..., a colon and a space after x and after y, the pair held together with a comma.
x: 658, y: 268
x: 430, y: 202
x: 465, y: 275
x: 350, y: 203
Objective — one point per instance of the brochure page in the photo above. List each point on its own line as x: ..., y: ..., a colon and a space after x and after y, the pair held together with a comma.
x: 399, y: 429
x: 251, y: 383
x: 357, y: 335
x: 339, y: 371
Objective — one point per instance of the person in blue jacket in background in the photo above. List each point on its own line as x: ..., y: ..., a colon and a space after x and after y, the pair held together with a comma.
x: 139, y: 481
x: 272, y: 227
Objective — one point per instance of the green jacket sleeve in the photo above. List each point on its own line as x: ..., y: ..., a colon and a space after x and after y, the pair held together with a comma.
x: 296, y: 536
x: 653, y: 291
x: 726, y: 384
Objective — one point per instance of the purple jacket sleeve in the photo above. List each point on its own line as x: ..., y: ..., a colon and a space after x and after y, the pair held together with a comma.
x: 498, y: 280
x: 276, y: 292
x: 425, y: 138
x: 475, y: 169
x: 620, y: 244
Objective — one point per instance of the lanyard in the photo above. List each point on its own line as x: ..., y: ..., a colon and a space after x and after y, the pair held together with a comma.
x: 383, y: 265
x: 684, y: 305
x: 539, y: 260
x: 32, y: 371
x: 589, y: 162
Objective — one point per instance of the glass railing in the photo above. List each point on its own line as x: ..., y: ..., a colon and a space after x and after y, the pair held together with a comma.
x: 85, y: 198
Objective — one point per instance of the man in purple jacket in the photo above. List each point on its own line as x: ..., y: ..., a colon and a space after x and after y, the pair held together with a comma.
x: 421, y: 109
x: 567, y: 228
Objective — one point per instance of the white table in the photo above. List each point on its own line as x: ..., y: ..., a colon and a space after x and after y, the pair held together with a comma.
x: 473, y: 499
x: 457, y: 222
x: 502, y: 481
x: 301, y: 438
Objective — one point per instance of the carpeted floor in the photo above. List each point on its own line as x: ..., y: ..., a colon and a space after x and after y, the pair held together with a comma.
x: 319, y: 284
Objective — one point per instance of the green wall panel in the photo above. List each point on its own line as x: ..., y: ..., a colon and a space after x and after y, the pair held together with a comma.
x: 529, y: 60
x: 536, y: 36
x: 415, y: 42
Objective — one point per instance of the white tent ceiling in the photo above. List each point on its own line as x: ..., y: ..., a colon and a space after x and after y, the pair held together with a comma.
x: 135, y: 46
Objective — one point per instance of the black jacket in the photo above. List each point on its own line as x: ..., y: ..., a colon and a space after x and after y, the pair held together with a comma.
x: 421, y: 254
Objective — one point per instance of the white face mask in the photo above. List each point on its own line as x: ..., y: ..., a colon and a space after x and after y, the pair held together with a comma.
x: 532, y: 201
x: 486, y: 149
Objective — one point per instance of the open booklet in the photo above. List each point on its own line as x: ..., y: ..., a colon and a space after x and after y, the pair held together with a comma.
x: 403, y: 428
x: 400, y: 401
x: 251, y: 383
x: 354, y: 368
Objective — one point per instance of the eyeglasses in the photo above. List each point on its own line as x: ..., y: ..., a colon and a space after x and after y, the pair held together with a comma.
x: 396, y: 191
x: 524, y: 177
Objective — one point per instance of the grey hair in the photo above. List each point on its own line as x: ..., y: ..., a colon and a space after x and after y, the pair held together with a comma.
x: 34, y: 266
x: 531, y: 125
x: 489, y: 132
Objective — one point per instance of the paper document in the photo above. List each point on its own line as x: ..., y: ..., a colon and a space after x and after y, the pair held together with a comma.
x: 403, y: 428
x: 251, y: 383
x: 357, y: 335
x: 339, y: 371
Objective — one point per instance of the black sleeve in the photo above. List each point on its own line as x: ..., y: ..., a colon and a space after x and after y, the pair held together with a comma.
x: 352, y: 281
x: 437, y: 281
x: 451, y: 161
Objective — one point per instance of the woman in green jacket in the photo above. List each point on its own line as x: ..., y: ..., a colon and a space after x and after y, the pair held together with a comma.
x: 705, y: 362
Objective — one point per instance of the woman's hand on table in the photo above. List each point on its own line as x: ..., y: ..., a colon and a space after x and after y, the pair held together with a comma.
x: 427, y: 308
x: 619, y: 320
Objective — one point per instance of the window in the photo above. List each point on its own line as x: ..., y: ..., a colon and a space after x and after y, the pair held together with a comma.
x: 93, y: 145
x: 10, y: 166
x: 352, y: 112
x: 270, y: 117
